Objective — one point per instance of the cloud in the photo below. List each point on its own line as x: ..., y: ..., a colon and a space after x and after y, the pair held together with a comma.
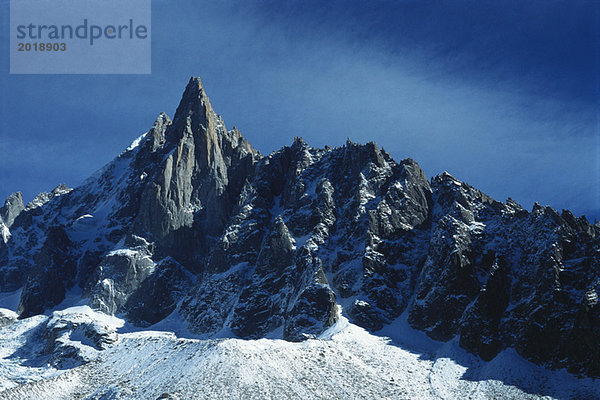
x: 501, y: 132
x: 470, y: 88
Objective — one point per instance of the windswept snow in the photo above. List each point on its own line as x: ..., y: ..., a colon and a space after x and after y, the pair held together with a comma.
x: 344, y: 362
x: 4, y: 232
x: 136, y: 142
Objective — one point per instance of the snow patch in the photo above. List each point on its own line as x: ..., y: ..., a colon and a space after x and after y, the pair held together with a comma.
x: 136, y: 142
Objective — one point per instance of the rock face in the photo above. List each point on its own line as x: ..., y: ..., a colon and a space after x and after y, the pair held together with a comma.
x: 54, y: 273
x: 499, y: 277
x: 72, y: 338
x: 192, y: 221
x: 12, y: 208
x: 8, y: 212
x: 7, y: 317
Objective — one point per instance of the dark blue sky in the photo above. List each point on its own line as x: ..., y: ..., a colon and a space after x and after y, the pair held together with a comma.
x: 503, y: 95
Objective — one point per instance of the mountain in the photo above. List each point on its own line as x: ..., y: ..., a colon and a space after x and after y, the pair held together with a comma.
x: 192, y: 227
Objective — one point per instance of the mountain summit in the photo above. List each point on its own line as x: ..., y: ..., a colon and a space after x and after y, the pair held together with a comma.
x: 192, y: 224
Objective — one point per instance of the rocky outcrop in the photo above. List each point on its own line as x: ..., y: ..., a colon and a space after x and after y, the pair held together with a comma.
x: 157, y: 296
x: 118, y: 277
x: 500, y: 277
x: 191, y: 195
x: 54, y: 274
x: 191, y: 221
x: 24, y: 233
x: 13, y: 205
x: 45, y: 197
x: 7, y: 317
x: 73, y: 338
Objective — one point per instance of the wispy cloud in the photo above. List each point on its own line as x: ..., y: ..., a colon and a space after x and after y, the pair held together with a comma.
x: 496, y: 105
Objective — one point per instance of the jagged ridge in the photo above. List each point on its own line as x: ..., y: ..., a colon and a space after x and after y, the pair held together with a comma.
x: 192, y: 220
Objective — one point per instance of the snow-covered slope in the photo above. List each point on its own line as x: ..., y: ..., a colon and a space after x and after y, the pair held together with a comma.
x: 345, y: 362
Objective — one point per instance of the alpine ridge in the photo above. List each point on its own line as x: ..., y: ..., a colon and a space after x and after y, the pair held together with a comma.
x: 192, y: 223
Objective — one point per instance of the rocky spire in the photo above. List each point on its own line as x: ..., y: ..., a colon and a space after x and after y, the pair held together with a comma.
x: 193, y: 187
x: 196, y: 120
x: 158, y: 131
x: 194, y: 100
x: 13, y: 205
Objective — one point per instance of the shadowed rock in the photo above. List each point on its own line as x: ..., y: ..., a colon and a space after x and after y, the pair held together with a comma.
x: 191, y: 221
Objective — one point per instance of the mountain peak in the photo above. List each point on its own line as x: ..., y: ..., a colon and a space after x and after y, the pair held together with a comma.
x: 197, y: 229
x: 193, y: 102
x: 194, y: 85
x: 197, y: 124
x: 194, y: 93
x: 195, y: 81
